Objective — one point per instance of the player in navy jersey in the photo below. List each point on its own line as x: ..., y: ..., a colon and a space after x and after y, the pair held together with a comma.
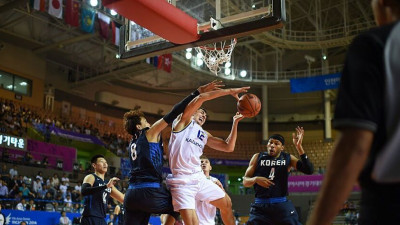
x: 119, y: 214
x: 146, y: 194
x: 268, y: 172
x: 96, y: 192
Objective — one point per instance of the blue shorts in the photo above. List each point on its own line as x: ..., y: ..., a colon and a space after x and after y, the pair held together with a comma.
x: 280, y: 213
x: 143, y: 200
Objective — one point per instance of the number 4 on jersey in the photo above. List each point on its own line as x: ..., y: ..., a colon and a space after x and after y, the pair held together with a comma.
x: 272, y: 174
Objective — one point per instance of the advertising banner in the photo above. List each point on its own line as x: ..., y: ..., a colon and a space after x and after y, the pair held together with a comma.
x: 316, y: 83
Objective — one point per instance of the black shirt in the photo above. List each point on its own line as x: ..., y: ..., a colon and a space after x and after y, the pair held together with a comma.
x: 275, y: 169
x: 146, y: 160
x: 96, y: 204
x: 360, y: 103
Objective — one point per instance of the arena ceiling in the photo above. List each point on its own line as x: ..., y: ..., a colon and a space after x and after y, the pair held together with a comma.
x: 314, y: 28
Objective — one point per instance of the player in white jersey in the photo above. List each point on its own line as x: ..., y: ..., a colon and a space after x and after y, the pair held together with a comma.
x: 205, y: 211
x: 187, y: 182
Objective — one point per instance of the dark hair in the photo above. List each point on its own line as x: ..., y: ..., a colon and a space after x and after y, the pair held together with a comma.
x: 204, y: 157
x: 277, y: 137
x: 131, y: 119
x: 204, y: 111
x: 94, y: 158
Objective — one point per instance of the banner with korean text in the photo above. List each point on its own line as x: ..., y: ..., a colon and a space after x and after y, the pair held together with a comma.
x: 316, y: 83
x: 307, y: 183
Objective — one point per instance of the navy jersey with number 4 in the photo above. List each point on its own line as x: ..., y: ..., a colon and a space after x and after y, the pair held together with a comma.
x: 96, y: 204
x: 146, y: 159
x: 275, y: 169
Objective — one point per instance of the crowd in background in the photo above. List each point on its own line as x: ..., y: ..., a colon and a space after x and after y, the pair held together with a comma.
x: 15, y: 119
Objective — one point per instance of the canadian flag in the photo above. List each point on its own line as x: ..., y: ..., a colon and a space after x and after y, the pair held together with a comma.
x: 55, y: 8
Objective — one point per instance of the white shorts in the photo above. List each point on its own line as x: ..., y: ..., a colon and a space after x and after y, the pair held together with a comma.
x: 206, y: 213
x: 187, y: 189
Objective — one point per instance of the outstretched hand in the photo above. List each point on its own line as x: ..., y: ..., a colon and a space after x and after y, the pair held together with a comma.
x: 112, y: 182
x: 237, y: 117
x: 212, y: 86
x: 235, y: 91
x: 298, y: 137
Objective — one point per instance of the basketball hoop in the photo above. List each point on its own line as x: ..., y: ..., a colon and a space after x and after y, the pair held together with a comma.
x: 216, y: 54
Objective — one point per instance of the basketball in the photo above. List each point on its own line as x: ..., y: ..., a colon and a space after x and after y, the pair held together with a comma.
x: 249, y: 105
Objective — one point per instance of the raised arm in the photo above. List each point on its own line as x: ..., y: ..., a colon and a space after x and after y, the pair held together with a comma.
x: 304, y: 165
x: 195, y: 104
x: 249, y: 180
x: 229, y: 144
x: 155, y: 130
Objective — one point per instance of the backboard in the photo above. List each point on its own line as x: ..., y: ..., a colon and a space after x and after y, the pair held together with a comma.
x: 217, y: 20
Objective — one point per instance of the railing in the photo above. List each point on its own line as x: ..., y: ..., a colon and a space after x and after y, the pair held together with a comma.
x: 330, y: 34
x: 259, y: 76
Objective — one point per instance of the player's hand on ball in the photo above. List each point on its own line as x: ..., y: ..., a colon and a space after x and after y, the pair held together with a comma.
x: 212, y: 86
x: 264, y: 182
x: 112, y: 182
x: 237, y: 117
x: 235, y: 91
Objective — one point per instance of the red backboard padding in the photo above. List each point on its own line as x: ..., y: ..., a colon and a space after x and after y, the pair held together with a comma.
x: 158, y: 16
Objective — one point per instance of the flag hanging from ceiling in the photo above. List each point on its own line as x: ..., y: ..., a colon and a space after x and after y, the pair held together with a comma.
x: 55, y: 8
x: 104, y: 22
x: 72, y: 13
x: 87, y: 20
x: 165, y: 62
x: 115, y: 32
x: 39, y: 5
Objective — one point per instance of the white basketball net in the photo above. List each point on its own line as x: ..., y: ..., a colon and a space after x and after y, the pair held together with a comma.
x: 216, y: 54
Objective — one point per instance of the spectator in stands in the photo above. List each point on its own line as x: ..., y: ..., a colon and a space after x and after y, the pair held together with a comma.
x: 64, y: 220
x: 37, y: 186
x: 2, y: 217
x: 42, y: 192
x: 40, y: 177
x: 78, y: 187
x: 65, y: 179
x: 54, y: 181
x: 68, y: 201
x: 20, y: 180
x: 31, y: 205
x: 26, y: 193
x: 3, y: 189
x: 76, y: 208
x: 4, y: 173
x: 110, y: 219
x: 361, y: 116
x: 268, y: 173
x: 63, y: 189
x: 45, y: 161
x: 13, y: 171
x: 21, y: 205
x: 28, y: 158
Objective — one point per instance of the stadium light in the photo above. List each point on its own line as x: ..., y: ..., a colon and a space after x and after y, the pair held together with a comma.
x: 227, y: 71
x: 188, y: 55
x: 243, y: 73
x: 113, y: 12
x: 199, y: 62
x: 228, y: 64
x: 94, y: 3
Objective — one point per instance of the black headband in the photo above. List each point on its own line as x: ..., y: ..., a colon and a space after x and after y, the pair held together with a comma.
x: 277, y: 137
